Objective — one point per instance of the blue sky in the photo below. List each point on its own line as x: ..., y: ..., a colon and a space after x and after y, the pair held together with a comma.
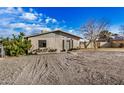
x: 33, y: 20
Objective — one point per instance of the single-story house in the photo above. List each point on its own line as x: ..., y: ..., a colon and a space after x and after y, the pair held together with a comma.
x: 103, y: 43
x: 114, y: 42
x: 118, y: 43
x: 58, y: 39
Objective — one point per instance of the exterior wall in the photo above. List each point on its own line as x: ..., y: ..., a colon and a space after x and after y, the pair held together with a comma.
x: 112, y: 44
x: 76, y: 43
x: 118, y: 43
x: 104, y: 45
x: 81, y: 45
x: 66, y: 37
x: 50, y: 38
x: 54, y: 41
x: 99, y: 45
x: 89, y: 46
x: 115, y: 45
x: 70, y: 44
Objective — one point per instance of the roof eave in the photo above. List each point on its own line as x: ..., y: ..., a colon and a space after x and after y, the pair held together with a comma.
x: 53, y: 32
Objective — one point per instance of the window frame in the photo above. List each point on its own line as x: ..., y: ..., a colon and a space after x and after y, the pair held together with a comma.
x: 42, y: 43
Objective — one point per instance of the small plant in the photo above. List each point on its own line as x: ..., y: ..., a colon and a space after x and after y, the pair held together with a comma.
x: 41, y: 50
x: 52, y: 50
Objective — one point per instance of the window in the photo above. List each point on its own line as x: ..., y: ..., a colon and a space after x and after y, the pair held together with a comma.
x: 41, y: 43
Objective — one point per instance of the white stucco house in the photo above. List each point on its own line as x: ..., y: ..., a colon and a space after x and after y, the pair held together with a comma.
x: 58, y: 39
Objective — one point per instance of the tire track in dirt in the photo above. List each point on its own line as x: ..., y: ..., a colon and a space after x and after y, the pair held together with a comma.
x: 64, y: 68
x: 32, y: 71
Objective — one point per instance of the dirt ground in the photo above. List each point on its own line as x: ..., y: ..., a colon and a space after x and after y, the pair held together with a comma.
x: 75, y: 68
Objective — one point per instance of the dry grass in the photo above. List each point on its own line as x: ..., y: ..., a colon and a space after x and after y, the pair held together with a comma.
x: 87, y: 67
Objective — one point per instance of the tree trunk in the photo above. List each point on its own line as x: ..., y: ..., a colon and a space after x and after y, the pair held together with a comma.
x: 95, y: 44
x: 86, y: 44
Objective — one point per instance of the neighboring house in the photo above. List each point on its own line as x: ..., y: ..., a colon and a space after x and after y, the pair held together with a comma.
x: 118, y: 41
x: 115, y: 41
x: 55, y: 40
x: 86, y: 42
x: 99, y: 44
x: 103, y: 43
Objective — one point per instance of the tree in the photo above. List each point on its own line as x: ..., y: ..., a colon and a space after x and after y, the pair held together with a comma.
x: 92, y: 29
x: 105, y: 35
x: 17, y: 45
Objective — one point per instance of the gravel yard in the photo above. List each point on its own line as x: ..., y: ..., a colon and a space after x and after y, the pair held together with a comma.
x: 84, y: 68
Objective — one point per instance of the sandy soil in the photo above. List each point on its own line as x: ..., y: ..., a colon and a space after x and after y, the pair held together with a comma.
x: 87, y: 67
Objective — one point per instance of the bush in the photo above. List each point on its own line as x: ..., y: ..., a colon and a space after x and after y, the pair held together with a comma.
x: 52, y: 50
x: 17, y: 45
x: 40, y: 50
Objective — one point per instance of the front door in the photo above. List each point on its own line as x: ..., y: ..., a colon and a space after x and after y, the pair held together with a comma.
x: 68, y: 44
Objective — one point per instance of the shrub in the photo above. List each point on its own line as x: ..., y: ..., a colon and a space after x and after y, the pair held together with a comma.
x: 40, y: 50
x: 52, y: 50
x: 17, y: 45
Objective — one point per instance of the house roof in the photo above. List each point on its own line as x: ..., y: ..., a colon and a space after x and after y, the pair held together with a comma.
x: 54, y: 32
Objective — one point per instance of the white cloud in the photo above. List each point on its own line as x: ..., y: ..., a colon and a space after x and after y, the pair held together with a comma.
x: 54, y: 20
x: 58, y: 29
x: 28, y: 16
x: 50, y: 20
x: 48, y: 29
x: 15, y: 20
x: 20, y: 9
x: 10, y: 10
x: 7, y: 10
x: 17, y: 25
x: 7, y: 32
x: 40, y: 14
x: 28, y: 28
x: 71, y: 30
x: 31, y: 10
